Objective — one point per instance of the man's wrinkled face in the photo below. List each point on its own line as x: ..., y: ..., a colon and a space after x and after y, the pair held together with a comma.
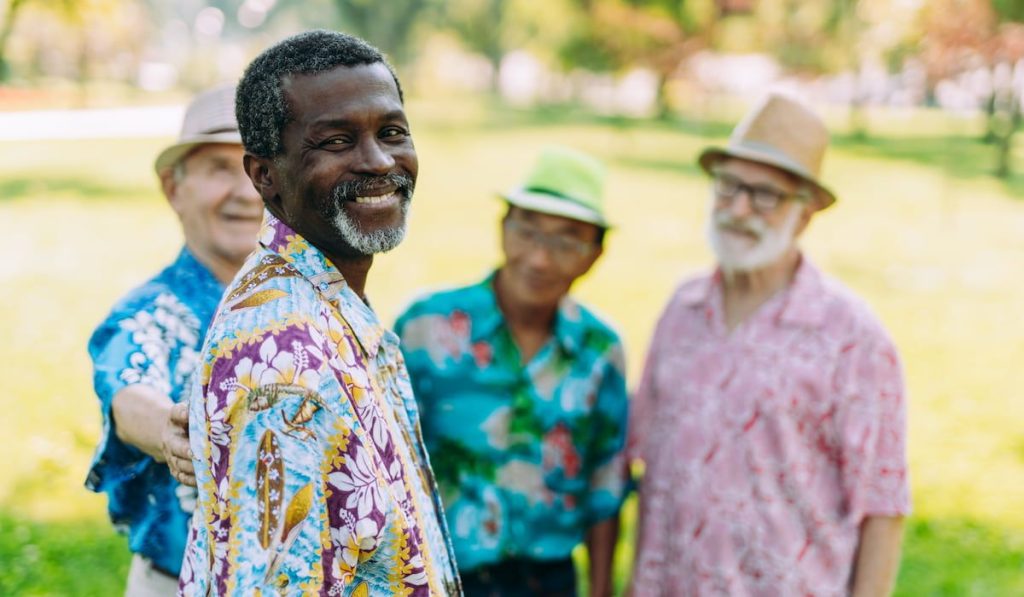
x: 347, y: 174
x: 220, y: 211
x: 744, y: 238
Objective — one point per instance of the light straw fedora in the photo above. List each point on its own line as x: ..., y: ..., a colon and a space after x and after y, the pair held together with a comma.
x: 210, y: 118
x: 781, y: 132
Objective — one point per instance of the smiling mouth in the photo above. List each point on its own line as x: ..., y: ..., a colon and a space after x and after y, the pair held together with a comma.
x: 375, y: 199
x: 750, y: 234
x: 242, y: 217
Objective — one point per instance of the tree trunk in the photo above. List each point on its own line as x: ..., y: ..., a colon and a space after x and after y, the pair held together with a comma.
x: 5, y: 34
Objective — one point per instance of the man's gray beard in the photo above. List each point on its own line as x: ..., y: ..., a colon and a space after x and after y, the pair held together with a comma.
x: 369, y: 243
x: 772, y: 245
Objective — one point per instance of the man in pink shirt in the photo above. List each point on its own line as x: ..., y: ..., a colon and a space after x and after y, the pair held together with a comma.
x: 771, y: 415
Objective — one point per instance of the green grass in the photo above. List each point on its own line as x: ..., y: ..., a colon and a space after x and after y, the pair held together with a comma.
x: 79, y: 558
x: 921, y: 231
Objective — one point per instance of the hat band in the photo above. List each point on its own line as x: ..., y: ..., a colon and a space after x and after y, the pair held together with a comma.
x: 553, y: 193
x: 771, y: 152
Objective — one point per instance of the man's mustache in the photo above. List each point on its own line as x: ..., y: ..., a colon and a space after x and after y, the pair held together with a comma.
x: 754, y: 226
x: 350, y: 189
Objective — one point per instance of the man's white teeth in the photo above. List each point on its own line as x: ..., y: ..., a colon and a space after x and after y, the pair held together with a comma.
x: 376, y: 199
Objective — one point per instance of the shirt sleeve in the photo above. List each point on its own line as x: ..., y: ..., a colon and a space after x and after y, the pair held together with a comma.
x: 609, y: 478
x: 641, y: 406
x: 130, y: 347
x: 288, y: 489
x: 871, y: 420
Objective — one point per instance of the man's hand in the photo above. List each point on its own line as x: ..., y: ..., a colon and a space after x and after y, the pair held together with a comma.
x: 175, y: 446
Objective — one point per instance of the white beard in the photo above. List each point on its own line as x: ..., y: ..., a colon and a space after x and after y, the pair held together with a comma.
x: 737, y: 254
x: 370, y: 243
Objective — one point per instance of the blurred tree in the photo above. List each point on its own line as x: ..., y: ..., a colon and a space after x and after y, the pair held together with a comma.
x: 482, y: 27
x: 391, y: 25
x: 657, y: 34
x: 1009, y: 10
x: 93, y: 32
x: 10, y: 14
x: 979, y: 38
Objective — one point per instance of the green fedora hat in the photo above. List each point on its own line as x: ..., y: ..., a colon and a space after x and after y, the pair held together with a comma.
x: 564, y: 182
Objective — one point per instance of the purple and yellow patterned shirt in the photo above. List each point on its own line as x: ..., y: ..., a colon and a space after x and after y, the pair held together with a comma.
x: 310, y: 464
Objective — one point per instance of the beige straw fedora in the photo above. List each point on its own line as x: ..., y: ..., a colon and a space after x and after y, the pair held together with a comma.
x: 210, y: 118
x: 781, y: 132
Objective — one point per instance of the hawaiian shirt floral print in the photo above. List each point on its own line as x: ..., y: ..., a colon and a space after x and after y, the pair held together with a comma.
x: 528, y: 458
x: 310, y: 464
x: 152, y: 337
x: 765, y: 448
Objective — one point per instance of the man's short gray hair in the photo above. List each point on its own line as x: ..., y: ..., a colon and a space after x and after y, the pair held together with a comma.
x: 260, y: 104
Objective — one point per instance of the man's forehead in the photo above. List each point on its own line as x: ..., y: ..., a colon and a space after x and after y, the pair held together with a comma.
x: 340, y: 83
x: 752, y: 171
x: 215, y: 151
x: 551, y: 221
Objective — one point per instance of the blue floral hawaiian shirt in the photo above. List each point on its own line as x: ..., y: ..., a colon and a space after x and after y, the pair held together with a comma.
x: 528, y: 458
x: 153, y: 337
x: 312, y: 474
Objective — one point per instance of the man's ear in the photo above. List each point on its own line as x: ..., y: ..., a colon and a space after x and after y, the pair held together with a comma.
x: 807, y: 211
x: 589, y: 263
x: 263, y: 175
x: 169, y: 186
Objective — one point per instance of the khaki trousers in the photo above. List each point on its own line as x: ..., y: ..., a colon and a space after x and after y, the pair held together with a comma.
x: 146, y: 581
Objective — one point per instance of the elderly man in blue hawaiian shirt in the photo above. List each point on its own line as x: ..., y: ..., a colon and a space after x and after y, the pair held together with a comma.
x: 145, y: 351
x: 523, y: 396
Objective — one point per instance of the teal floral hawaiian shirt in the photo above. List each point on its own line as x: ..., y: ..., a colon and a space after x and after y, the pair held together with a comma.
x: 528, y: 458
x: 312, y: 474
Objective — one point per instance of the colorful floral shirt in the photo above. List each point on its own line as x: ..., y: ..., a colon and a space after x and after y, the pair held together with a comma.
x: 765, y: 448
x: 152, y: 337
x: 527, y: 457
x: 312, y: 474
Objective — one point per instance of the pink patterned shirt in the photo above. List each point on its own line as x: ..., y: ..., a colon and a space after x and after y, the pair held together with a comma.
x: 765, y: 448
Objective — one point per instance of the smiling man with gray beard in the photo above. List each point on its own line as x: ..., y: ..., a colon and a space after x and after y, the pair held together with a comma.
x: 770, y: 416
x: 312, y: 477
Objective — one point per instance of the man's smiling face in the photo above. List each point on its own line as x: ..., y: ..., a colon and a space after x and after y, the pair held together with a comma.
x: 347, y: 173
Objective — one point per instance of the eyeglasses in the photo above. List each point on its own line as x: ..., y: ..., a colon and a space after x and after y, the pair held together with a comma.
x: 763, y: 198
x: 562, y: 247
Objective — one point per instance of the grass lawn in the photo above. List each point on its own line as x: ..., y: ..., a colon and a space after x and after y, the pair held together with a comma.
x: 921, y: 232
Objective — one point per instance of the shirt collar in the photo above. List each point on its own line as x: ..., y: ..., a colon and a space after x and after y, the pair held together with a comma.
x: 802, y: 303
x: 568, y: 329
x: 313, y: 265
x: 196, y: 284
x: 187, y: 262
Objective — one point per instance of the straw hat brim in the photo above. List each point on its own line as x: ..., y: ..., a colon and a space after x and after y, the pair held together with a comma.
x: 555, y: 206
x: 172, y: 154
x: 764, y: 155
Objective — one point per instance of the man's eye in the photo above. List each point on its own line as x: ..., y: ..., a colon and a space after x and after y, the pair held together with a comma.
x: 335, y: 142
x: 392, y: 132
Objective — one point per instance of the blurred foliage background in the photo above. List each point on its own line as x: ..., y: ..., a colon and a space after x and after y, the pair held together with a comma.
x: 923, y: 98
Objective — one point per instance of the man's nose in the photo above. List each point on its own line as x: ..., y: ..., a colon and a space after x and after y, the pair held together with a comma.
x: 741, y: 203
x: 373, y: 158
x: 540, y: 256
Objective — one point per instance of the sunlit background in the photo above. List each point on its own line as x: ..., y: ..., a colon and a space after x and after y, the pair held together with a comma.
x: 923, y: 99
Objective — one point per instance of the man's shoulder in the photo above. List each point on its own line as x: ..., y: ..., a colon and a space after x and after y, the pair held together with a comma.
x: 596, y: 324
x: 468, y: 298
x: 267, y: 297
x: 694, y: 288
x: 845, y: 312
x: 154, y: 294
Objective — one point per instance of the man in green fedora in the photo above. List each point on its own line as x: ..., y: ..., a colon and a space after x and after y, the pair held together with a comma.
x: 522, y: 395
